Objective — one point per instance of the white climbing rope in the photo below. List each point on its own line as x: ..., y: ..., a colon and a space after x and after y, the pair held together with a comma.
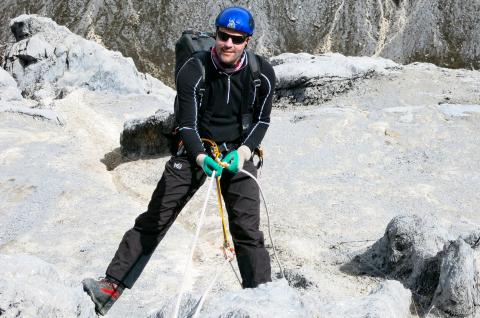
x: 204, y: 296
x: 201, y: 219
x: 199, y: 305
x: 202, y: 299
x: 192, y: 250
x: 268, y: 220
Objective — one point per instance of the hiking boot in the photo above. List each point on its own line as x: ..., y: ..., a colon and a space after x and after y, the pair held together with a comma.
x: 104, y: 293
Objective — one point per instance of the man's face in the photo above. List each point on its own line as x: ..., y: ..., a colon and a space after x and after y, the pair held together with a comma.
x: 230, y: 45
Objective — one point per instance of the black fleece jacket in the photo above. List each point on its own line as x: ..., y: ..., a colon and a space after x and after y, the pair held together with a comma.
x: 225, y: 96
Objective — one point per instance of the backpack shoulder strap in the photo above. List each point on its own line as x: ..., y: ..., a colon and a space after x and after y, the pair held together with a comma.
x: 197, y: 58
x: 200, y: 58
x: 205, y: 109
x: 247, y: 110
x: 254, y: 68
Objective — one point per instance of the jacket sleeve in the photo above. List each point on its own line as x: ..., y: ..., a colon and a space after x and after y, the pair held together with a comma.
x: 263, y: 108
x: 189, y: 81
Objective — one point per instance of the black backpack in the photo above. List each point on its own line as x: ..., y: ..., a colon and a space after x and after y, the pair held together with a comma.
x: 197, y: 45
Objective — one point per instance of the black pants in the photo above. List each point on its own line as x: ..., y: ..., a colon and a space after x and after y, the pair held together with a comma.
x: 179, y: 182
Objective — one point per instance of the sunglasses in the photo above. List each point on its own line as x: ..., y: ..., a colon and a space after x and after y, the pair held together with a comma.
x: 236, y: 39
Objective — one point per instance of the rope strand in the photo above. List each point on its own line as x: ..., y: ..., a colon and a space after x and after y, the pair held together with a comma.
x: 268, y: 221
x: 192, y: 250
x: 229, y: 252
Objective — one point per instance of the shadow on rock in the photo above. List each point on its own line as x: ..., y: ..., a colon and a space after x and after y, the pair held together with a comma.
x: 438, y: 268
x: 115, y: 158
x: 296, y: 279
x: 315, y: 90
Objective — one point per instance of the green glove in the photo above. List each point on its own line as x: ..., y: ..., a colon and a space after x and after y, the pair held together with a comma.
x: 209, y: 165
x: 236, y: 158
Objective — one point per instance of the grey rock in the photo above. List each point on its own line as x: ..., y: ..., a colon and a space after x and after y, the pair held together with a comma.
x: 444, y: 32
x: 404, y: 250
x: 411, y: 241
x: 278, y: 299
x: 187, y: 307
x: 8, y: 88
x: 457, y: 292
x: 12, y: 101
x: 314, y: 91
x: 334, y: 74
x: 420, y: 253
x: 297, y: 280
x: 49, y: 61
x: 20, y: 30
x: 35, y: 284
x: 238, y: 313
x: 472, y: 239
x: 388, y: 299
x: 148, y: 136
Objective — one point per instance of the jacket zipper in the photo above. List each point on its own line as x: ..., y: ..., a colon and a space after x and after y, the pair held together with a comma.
x: 228, y: 90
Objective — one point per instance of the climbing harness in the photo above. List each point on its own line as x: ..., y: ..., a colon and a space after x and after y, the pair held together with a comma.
x: 259, y: 153
x: 227, y: 248
x: 216, y: 152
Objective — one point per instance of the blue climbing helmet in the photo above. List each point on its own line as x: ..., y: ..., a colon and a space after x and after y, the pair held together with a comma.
x: 236, y: 18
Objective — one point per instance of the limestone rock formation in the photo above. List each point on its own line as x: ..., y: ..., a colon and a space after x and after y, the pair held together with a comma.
x: 48, y: 61
x: 388, y: 299
x: 187, y: 307
x: 8, y: 88
x: 149, y: 136
x: 419, y: 252
x: 278, y: 299
x: 304, y: 79
x: 444, y: 32
x: 457, y: 292
x: 12, y: 101
x: 36, y: 284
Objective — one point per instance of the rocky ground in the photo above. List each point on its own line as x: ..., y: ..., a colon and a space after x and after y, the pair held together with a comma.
x: 354, y: 143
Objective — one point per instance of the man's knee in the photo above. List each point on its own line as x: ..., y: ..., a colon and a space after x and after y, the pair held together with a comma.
x: 247, y: 236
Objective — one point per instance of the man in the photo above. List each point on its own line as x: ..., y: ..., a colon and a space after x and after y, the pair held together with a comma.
x: 218, y: 117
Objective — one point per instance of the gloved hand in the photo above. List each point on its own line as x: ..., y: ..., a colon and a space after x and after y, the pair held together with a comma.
x: 209, y: 165
x: 236, y: 158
